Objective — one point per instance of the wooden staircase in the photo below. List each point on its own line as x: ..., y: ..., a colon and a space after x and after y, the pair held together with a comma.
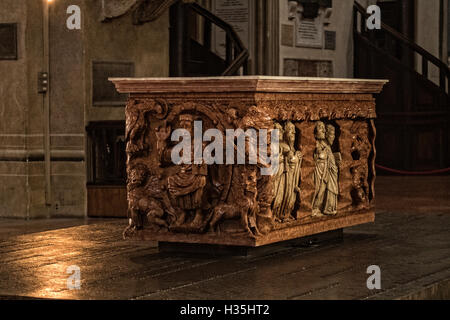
x: 192, y: 55
x: 414, y: 108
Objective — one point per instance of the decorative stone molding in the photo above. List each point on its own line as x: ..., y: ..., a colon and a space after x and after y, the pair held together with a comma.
x: 115, y: 8
x: 142, y: 10
x: 324, y: 181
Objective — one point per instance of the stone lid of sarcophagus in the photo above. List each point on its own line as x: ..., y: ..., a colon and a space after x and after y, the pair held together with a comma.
x: 255, y: 84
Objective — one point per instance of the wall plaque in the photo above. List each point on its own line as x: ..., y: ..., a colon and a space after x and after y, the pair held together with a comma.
x: 308, y: 68
x: 8, y: 41
x: 237, y: 14
x: 309, y: 33
x: 290, y: 68
x: 330, y: 40
x: 287, y: 35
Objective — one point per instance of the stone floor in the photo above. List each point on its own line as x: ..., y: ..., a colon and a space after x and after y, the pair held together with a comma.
x: 410, y: 242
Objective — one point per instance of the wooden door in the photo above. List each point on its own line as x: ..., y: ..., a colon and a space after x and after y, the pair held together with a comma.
x: 106, y: 186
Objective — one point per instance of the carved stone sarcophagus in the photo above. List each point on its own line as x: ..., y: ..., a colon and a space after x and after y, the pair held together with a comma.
x: 248, y: 161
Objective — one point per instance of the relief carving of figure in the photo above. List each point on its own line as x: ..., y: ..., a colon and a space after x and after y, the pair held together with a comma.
x: 187, y: 185
x: 360, y: 186
x: 136, y: 132
x: 280, y: 176
x: 326, y: 172
x: 245, y: 209
x: 361, y: 145
x: 360, y: 151
x: 147, y: 198
x: 286, y: 186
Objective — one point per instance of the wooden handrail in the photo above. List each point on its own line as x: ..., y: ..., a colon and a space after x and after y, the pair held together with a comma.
x: 237, y: 64
x: 394, y: 33
x: 242, y: 52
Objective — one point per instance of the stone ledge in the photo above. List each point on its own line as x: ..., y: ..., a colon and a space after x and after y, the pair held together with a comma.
x: 250, y: 84
x: 38, y: 155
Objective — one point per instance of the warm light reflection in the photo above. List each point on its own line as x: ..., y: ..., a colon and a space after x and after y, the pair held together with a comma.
x: 44, y: 266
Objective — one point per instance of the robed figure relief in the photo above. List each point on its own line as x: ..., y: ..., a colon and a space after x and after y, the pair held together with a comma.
x: 186, y: 186
x: 326, y: 172
x: 287, y: 178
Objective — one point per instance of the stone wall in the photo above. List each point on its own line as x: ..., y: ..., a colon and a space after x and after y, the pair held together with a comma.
x: 341, y: 58
x: 427, y: 33
x: 22, y: 165
x: 14, y: 111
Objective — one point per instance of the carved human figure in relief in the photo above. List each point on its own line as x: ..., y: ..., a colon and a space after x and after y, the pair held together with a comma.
x: 187, y: 185
x: 245, y: 208
x: 360, y: 151
x: 326, y: 172
x: 280, y: 176
x: 136, y: 131
x: 360, y: 186
x: 287, y: 179
x: 147, y: 198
